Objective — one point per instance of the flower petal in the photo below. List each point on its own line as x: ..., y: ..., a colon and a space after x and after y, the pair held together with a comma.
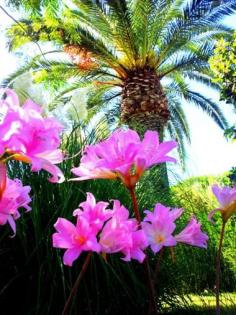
x: 70, y: 256
x: 212, y: 213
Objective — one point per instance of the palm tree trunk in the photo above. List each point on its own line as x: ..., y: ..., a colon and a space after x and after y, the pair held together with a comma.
x: 144, y: 104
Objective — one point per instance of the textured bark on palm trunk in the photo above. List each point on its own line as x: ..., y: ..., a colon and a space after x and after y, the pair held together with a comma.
x: 143, y: 100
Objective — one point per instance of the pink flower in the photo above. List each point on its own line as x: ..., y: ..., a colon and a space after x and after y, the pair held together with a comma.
x: 226, y: 197
x: 161, y: 213
x: 116, y: 232
x: 138, y: 244
x: 123, y: 155
x: 159, y: 227
x: 13, y: 196
x: 8, y: 124
x: 91, y: 217
x: 75, y: 239
x: 29, y: 137
x: 95, y: 213
x: 121, y: 234
x: 192, y: 235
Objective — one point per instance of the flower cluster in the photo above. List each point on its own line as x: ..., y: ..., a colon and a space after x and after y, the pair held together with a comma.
x: 109, y: 231
x: 100, y: 229
x: 27, y: 136
x: 123, y: 155
x: 13, y: 195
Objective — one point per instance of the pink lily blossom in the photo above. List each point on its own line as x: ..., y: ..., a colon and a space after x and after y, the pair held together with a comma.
x: 116, y: 232
x: 8, y: 124
x: 123, y: 155
x: 226, y: 197
x: 13, y: 196
x: 95, y: 213
x: 192, y: 235
x: 74, y: 238
x: 29, y: 137
x: 159, y: 227
x: 121, y: 234
x: 161, y: 212
x: 138, y: 244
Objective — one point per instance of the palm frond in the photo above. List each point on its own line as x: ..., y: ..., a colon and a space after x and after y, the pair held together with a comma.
x: 176, y: 133
x: 226, y: 8
x: 89, y: 16
x: 199, y: 9
x: 165, y: 13
x: 196, y: 19
x: 178, y: 117
x: 196, y: 9
x: 193, y: 41
x: 104, y: 54
x: 141, y: 18
x: 203, y: 78
x: 184, y: 61
x: 119, y: 16
x: 208, y: 106
x: 9, y: 80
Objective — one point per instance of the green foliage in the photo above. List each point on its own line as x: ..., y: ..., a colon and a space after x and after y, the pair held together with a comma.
x: 232, y: 176
x: 195, y: 196
x: 230, y: 133
x: 33, y: 6
x: 223, y: 65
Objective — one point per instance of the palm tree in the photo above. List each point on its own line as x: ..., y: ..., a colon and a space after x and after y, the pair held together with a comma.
x: 147, y: 53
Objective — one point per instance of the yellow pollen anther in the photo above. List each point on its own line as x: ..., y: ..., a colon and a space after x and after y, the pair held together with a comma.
x: 159, y: 238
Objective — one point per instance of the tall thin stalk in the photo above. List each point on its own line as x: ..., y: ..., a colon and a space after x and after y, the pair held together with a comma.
x: 135, y: 205
x: 218, y: 311
x: 76, y: 285
x: 152, y: 294
x: 158, y: 264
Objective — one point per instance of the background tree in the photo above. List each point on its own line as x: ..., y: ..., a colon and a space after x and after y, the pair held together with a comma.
x: 146, y: 53
x: 223, y: 65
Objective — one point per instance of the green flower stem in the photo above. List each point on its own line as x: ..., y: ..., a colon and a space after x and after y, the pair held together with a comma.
x: 152, y: 294
x: 218, y: 269
x: 76, y: 285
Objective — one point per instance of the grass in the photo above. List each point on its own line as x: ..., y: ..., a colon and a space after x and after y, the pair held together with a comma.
x: 208, y: 301
x: 205, y: 305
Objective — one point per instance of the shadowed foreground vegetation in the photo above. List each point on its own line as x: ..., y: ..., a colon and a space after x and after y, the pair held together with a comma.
x: 32, y: 271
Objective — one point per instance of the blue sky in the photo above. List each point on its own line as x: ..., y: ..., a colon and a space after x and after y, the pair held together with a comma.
x: 209, y: 152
